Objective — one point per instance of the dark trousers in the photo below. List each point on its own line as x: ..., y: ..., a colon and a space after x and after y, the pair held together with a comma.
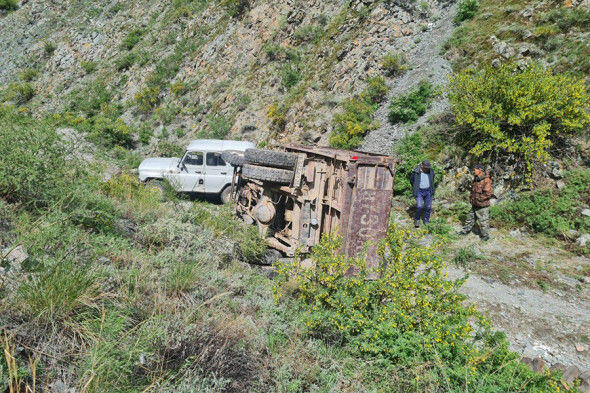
x: 424, y: 204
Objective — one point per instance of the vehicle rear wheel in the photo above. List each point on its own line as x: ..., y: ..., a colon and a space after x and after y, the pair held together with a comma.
x: 278, y: 159
x: 233, y: 158
x: 274, y: 175
x: 225, y: 195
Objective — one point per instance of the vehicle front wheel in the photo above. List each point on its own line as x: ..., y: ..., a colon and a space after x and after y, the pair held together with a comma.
x: 225, y: 195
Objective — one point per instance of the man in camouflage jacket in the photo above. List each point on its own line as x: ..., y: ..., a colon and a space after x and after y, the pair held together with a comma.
x: 481, y: 193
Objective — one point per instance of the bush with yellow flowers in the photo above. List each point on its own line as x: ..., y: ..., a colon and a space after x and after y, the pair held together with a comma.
x: 506, y: 110
x: 411, y: 318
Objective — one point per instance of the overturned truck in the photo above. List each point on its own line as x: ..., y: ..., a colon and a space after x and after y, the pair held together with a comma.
x: 297, y: 194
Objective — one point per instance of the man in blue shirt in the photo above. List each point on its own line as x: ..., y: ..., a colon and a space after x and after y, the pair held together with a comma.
x: 422, y: 181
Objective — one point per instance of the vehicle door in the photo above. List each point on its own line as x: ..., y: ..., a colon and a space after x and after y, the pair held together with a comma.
x: 190, y: 176
x: 217, y: 173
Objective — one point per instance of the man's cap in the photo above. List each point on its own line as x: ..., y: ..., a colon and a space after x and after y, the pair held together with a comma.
x: 480, y: 167
x: 426, y: 164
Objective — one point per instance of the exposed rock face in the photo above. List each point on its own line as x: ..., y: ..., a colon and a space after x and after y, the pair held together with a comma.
x: 225, y: 67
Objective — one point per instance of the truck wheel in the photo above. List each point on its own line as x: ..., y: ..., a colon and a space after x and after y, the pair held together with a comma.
x: 274, y: 175
x: 233, y: 158
x: 225, y: 195
x: 278, y: 159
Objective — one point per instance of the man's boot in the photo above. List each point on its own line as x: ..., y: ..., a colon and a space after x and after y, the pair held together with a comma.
x: 416, y: 223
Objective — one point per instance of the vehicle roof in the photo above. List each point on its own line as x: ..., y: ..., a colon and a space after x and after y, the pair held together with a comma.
x: 218, y: 145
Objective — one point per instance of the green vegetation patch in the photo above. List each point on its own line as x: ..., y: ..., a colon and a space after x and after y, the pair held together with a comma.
x: 549, y: 211
x: 356, y: 118
x: 409, y: 319
x: 411, y: 106
x: 522, y: 112
x: 8, y: 5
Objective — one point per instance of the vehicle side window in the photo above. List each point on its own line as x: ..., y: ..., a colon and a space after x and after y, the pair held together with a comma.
x: 214, y: 159
x: 194, y: 158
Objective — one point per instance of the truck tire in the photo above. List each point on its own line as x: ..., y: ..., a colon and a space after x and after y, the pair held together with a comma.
x: 274, y: 158
x: 225, y: 195
x: 274, y: 175
x: 233, y: 158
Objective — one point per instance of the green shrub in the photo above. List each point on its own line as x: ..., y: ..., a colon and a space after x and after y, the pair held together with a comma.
x: 126, y: 61
x: 308, y: 33
x: 520, y: 112
x: 89, y: 66
x: 352, y: 124
x: 110, y: 132
x: 28, y: 74
x: 277, y: 114
x: 376, y: 89
x: 466, y: 9
x: 20, y: 93
x: 567, y: 17
x: 148, y: 98
x: 411, y: 106
x: 132, y: 39
x: 548, y: 211
x: 394, y: 63
x: 439, y: 226
x: 219, y: 127
x: 168, y: 149
x: 290, y: 75
x: 465, y: 255
x: 356, y: 118
x: 49, y: 48
x: 235, y: 8
x: 33, y: 169
x: 91, y: 99
x: 272, y: 50
x: 409, y: 318
x: 8, y: 5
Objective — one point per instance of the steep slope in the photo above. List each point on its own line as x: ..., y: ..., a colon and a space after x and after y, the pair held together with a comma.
x: 275, y: 70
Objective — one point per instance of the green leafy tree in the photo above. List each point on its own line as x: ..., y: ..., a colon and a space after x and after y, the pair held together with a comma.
x: 522, y: 112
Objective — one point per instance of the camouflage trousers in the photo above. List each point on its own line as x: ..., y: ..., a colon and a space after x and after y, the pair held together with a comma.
x: 481, y: 216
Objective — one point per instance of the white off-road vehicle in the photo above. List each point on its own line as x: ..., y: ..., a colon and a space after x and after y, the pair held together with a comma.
x: 200, y: 170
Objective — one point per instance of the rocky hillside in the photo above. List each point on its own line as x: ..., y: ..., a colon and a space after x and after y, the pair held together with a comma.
x: 261, y: 71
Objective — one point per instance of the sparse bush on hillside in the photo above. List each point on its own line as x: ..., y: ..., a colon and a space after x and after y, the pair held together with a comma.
x: 132, y: 39
x: 20, y: 93
x: 410, y: 318
x: 411, y: 106
x: 356, y: 118
x: 567, y: 17
x: 90, y: 99
x: 522, y: 112
x: 8, y: 5
x: 110, y: 132
x: 549, y: 211
x: 235, y: 8
x: 49, y: 47
x: 308, y: 33
x: 352, y: 124
x: 89, y: 66
x: 148, y: 98
x: 28, y: 74
x: 126, y: 61
x: 394, y: 63
x: 219, y: 127
x: 466, y: 9
x: 277, y: 114
x: 290, y: 75
x: 376, y: 89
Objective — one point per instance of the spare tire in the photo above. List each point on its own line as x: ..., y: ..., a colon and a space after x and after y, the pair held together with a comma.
x: 274, y: 158
x: 234, y: 158
x: 274, y: 175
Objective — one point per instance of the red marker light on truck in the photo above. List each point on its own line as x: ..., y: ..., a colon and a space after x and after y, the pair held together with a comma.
x: 354, y: 157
